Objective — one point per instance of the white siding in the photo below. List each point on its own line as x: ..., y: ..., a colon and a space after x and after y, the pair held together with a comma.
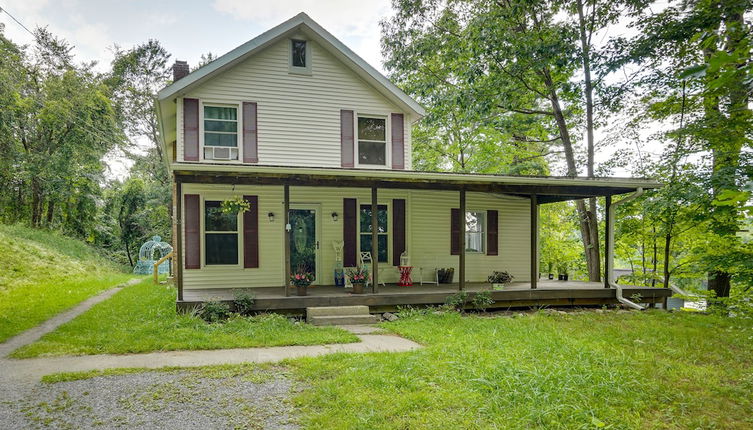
x: 298, y: 115
x: 427, y: 233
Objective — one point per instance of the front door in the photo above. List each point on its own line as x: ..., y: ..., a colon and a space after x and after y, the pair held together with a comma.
x: 304, y: 243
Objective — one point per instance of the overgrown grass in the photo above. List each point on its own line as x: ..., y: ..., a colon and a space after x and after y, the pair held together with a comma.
x: 636, y: 370
x: 142, y: 318
x: 43, y: 273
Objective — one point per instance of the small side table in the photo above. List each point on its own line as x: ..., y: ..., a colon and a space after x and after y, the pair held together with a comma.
x: 405, y: 280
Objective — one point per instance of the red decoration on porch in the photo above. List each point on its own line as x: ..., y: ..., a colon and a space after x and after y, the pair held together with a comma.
x: 405, y: 280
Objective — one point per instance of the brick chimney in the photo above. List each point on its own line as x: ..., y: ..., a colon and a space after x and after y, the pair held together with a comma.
x: 180, y: 70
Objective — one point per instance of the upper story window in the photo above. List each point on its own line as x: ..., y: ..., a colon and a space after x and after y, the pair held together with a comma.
x: 475, y: 223
x: 220, y: 133
x: 372, y: 140
x: 299, y: 53
x: 300, y: 56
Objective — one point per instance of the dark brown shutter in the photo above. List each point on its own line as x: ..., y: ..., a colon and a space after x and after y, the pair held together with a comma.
x: 250, y: 135
x: 350, y: 230
x: 191, y: 129
x: 192, y: 210
x: 251, y: 233
x: 398, y: 142
x: 455, y: 231
x: 398, y: 230
x: 346, y: 138
x: 492, y: 237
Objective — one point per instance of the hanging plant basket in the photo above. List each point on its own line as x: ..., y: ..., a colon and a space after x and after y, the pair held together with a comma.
x: 235, y: 205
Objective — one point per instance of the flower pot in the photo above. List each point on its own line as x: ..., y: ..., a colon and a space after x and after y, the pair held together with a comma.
x: 357, y: 287
x: 301, y: 290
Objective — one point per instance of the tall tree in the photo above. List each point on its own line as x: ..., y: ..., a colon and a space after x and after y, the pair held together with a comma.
x: 511, y: 67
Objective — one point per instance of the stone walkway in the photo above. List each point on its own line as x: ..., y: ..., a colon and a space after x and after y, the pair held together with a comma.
x: 31, y: 370
x: 35, y: 368
x: 33, y: 334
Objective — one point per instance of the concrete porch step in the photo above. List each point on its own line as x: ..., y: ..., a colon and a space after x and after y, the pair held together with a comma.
x: 342, y: 319
x: 336, y: 310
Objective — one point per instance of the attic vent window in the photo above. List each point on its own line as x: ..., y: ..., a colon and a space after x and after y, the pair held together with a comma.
x: 299, y: 53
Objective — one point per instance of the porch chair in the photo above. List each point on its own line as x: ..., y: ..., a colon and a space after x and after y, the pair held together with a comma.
x: 366, y: 261
x: 434, y: 271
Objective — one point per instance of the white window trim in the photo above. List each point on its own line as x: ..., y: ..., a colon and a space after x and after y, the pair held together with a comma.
x: 202, y: 221
x: 389, y: 229
x: 483, y: 233
x: 239, y: 115
x: 387, y: 140
x: 296, y: 69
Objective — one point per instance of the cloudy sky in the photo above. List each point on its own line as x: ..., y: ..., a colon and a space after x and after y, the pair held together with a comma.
x: 190, y: 28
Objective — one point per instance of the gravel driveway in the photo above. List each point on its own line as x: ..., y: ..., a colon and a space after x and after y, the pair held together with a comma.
x: 187, y: 399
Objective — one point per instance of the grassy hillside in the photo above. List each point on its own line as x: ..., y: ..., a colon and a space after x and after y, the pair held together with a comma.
x: 44, y: 273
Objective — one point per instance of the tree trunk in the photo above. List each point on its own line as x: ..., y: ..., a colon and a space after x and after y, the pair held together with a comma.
x: 726, y: 149
x: 587, y: 219
x: 50, y: 212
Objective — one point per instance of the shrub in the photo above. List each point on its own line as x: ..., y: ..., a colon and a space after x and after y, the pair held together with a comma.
x: 482, y: 300
x: 214, y: 311
x: 244, y: 302
x: 457, y: 301
x: 410, y: 311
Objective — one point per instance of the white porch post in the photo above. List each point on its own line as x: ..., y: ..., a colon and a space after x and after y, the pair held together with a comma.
x: 286, y: 235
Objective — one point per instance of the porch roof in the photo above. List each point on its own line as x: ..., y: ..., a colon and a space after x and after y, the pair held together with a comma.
x: 547, y: 188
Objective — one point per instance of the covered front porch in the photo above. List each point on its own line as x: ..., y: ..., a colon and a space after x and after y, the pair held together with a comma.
x: 390, y: 296
x: 441, y: 237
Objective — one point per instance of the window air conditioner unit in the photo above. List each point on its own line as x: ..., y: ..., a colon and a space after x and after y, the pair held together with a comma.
x: 219, y: 153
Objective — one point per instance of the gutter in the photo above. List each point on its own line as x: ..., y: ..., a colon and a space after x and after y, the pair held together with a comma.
x: 610, y: 251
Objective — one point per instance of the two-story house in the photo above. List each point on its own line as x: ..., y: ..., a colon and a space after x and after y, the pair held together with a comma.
x: 317, y: 141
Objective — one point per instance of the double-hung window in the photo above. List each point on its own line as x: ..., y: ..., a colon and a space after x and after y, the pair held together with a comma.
x: 372, y: 140
x: 475, y: 224
x: 220, y: 133
x: 382, y: 231
x: 220, y: 235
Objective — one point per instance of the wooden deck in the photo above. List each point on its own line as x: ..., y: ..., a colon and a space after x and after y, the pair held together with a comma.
x: 516, y: 295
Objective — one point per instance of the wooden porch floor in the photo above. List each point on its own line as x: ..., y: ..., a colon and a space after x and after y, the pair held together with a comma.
x: 518, y: 294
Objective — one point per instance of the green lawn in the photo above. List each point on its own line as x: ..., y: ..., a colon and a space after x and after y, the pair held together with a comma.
x: 142, y: 318
x: 636, y: 370
x: 43, y: 274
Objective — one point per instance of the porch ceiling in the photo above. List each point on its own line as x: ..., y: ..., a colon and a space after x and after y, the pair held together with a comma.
x: 548, y: 189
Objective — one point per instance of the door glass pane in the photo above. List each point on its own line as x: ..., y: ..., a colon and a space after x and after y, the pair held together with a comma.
x: 303, y: 240
x: 216, y: 220
x: 372, y: 129
x: 221, y: 248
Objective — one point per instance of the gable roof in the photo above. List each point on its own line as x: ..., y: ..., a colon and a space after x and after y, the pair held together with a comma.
x: 307, y: 25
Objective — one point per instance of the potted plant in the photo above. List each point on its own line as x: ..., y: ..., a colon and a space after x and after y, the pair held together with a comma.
x: 358, y: 277
x: 445, y: 275
x: 301, y: 279
x: 235, y: 205
x: 562, y: 273
x: 499, y: 279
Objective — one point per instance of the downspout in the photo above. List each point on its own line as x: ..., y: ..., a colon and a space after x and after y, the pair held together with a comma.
x: 610, y: 251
